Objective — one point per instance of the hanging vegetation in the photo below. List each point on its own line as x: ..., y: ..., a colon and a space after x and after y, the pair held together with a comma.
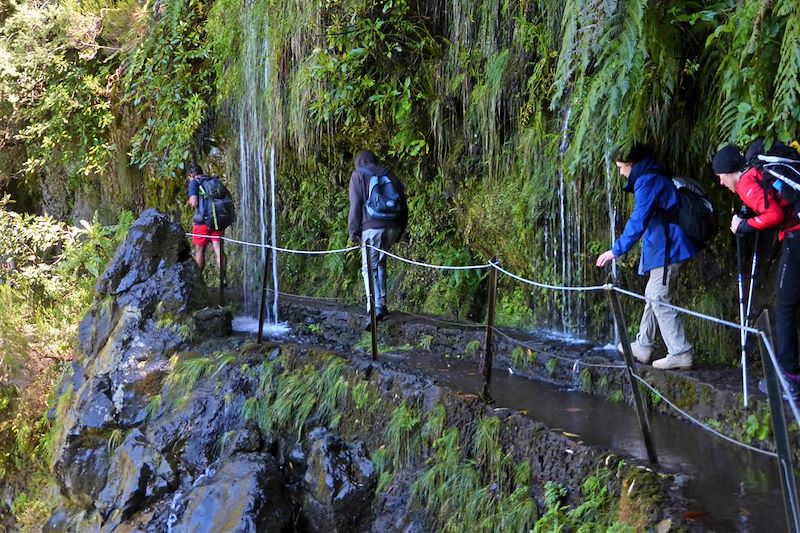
x: 500, y: 117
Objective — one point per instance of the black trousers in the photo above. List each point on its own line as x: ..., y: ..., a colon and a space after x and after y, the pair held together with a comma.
x: 787, y: 304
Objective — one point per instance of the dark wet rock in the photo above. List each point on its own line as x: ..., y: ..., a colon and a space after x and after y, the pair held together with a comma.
x: 243, y: 440
x: 338, y: 484
x: 153, y: 244
x: 62, y: 521
x: 58, y: 522
x: 94, y: 408
x: 391, y: 511
x: 137, y: 473
x: 149, y: 284
x: 245, y: 495
x: 192, y: 433
x: 213, y: 322
x: 83, y: 472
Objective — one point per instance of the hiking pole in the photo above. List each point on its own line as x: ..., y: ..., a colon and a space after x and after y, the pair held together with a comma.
x: 742, y: 334
x: 488, y: 354
x: 373, y: 321
x: 750, y: 288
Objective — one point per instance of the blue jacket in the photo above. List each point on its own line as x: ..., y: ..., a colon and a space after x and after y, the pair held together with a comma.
x: 654, y: 195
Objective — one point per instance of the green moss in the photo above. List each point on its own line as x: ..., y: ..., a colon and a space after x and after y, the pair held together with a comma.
x: 641, y: 496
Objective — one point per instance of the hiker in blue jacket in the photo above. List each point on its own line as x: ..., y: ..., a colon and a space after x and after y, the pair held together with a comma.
x: 664, y: 244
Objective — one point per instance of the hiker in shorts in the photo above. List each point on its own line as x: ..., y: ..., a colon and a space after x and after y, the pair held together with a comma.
x: 202, y: 234
x: 664, y: 246
x: 757, y: 194
x: 366, y: 229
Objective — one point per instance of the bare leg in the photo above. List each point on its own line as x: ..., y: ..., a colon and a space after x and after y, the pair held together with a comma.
x: 222, y: 260
x: 200, y: 256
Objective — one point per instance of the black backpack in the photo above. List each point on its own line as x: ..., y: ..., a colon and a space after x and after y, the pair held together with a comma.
x: 781, y: 168
x: 216, y: 204
x: 695, y: 214
x: 383, y: 201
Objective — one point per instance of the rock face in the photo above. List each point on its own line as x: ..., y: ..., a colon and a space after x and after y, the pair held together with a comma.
x: 245, y: 495
x: 338, y: 484
x: 131, y: 458
x: 150, y: 282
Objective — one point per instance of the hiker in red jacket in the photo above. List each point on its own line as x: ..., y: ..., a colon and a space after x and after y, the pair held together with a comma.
x: 770, y: 211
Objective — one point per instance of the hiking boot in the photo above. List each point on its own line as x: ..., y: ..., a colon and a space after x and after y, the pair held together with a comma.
x: 793, y: 386
x: 641, y: 353
x: 682, y: 361
x: 381, y: 313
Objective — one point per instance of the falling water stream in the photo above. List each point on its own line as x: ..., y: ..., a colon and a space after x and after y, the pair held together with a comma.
x: 256, y: 195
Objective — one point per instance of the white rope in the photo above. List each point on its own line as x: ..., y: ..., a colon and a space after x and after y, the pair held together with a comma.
x: 277, y: 248
x: 545, y: 285
x: 687, y: 311
x: 428, y: 265
x: 576, y: 362
x: 701, y: 424
x: 315, y: 298
x: 447, y: 322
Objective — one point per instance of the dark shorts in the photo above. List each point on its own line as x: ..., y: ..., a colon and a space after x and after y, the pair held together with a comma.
x: 203, y: 235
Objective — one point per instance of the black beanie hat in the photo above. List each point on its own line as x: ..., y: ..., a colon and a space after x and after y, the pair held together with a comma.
x: 728, y: 159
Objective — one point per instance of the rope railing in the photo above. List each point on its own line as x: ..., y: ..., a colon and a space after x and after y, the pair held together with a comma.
x: 686, y: 311
x: 577, y: 363
x: 697, y: 422
x: 429, y: 265
x: 784, y: 386
x: 315, y: 298
x: 277, y: 248
x: 589, y: 288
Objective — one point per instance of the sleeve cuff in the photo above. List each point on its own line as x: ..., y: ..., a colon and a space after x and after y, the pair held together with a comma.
x: 744, y: 227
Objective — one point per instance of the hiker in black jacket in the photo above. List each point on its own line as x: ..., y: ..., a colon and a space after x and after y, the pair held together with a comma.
x: 369, y: 226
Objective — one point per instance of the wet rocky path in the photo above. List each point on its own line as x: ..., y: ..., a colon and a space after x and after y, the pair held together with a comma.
x: 730, y: 488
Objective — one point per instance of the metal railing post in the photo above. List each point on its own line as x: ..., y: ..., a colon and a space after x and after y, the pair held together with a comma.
x: 488, y: 349
x: 222, y: 268
x: 779, y: 429
x: 638, y: 402
x: 373, y: 321
x: 263, y: 303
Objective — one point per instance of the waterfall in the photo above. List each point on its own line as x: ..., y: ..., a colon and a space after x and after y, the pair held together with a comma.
x: 253, y: 122
x: 565, y: 247
x: 612, y: 224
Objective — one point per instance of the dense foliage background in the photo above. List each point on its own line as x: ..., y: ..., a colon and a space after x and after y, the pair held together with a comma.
x: 500, y: 116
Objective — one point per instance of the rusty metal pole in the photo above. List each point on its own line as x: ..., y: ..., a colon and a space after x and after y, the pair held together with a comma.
x: 638, y: 402
x: 222, y: 267
x: 488, y: 349
x: 373, y: 321
x: 779, y: 430
x: 263, y: 303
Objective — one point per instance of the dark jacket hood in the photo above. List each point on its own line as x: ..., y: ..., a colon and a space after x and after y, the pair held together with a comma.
x: 640, y: 168
x: 366, y: 160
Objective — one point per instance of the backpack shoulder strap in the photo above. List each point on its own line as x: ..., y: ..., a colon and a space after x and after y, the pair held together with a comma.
x: 766, y: 186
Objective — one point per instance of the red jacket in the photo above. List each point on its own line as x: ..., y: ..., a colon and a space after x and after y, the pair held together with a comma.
x: 771, y: 211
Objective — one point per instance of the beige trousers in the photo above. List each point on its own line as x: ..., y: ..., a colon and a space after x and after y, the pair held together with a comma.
x: 657, y: 317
